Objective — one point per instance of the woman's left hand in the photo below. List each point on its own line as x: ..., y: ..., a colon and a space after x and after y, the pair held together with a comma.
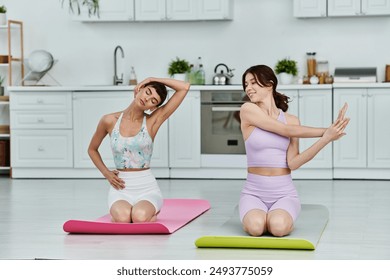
x: 141, y: 85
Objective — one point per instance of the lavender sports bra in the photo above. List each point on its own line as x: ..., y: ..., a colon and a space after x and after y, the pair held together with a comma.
x: 267, y: 149
x: 131, y: 152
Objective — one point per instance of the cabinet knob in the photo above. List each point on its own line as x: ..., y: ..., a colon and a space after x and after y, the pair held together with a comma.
x: 40, y: 101
x: 40, y: 120
x: 41, y: 149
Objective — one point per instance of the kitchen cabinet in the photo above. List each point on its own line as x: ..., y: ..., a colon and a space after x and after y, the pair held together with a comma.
x: 41, y: 130
x: 184, y: 133
x: 364, y: 152
x: 109, y: 10
x: 310, y: 8
x: 358, y: 7
x: 86, y: 119
x: 313, y: 107
x: 182, y: 10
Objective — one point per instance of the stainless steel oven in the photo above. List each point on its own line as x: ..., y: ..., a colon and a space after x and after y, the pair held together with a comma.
x: 220, y: 125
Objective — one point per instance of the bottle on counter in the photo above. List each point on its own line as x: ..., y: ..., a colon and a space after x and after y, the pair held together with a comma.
x: 192, y: 75
x: 133, y: 77
x: 201, y: 75
x: 199, y: 72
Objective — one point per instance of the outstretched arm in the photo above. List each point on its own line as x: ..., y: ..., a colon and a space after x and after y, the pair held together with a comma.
x: 334, y: 132
x: 251, y: 115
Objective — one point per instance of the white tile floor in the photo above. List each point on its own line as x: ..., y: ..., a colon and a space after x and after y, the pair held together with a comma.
x: 32, y: 213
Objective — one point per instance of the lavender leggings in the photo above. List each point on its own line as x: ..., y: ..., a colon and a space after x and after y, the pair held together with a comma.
x: 269, y: 193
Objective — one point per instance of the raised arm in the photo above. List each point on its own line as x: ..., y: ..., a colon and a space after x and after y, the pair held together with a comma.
x: 181, y: 89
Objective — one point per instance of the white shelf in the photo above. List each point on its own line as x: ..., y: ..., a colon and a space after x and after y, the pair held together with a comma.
x: 4, y: 102
x: 4, y: 135
x: 5, y: 168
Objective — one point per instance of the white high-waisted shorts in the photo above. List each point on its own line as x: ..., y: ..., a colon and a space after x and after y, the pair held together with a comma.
x: 139, y: 185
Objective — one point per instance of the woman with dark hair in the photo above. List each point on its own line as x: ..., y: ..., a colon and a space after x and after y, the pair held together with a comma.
x: 269, y: 201
x: 135, y: 195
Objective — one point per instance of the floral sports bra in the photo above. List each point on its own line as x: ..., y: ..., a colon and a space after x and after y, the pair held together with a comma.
x: 131, y: 152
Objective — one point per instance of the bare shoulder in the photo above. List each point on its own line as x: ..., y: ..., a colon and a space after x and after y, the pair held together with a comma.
x: 291, y: 119
x: 248, y: 106
x: 109, y: 120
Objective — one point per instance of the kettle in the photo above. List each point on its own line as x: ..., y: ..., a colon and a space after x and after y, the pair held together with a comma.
x: 222, y: 78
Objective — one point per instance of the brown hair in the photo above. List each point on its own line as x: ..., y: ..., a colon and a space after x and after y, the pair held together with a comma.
x: 160, y: 89
x: 265, y: 77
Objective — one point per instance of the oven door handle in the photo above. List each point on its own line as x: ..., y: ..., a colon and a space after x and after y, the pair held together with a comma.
x: 225, y: 109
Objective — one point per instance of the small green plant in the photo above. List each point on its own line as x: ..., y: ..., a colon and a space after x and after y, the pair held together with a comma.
x: 286, y: 65
x: 92, y: 5
x: 178, y: 66
x: 3, y: 9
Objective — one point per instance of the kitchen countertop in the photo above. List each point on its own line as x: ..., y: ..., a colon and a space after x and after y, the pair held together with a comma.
x: 195, y: 87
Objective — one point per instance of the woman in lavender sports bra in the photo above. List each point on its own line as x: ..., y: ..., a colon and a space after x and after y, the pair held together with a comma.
x: 269, y: 201
x: 134, y: 195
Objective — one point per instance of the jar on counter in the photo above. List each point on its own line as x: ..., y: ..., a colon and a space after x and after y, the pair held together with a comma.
x: 329, y: 80
x: 311, y: 63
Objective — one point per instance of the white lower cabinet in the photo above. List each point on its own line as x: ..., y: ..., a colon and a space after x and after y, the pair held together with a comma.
x: 42, y: 148
x: 313, y: 107
x: 184, y: 133
x: 41, y: 130
x: 364, y: 152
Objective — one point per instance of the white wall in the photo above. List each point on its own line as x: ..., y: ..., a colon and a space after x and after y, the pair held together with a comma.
x: 262, y: 32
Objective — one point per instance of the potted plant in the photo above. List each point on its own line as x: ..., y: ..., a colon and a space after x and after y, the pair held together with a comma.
x: 3, y: 15
x: 286, y: 69
x: 92, y: 6
x: 179, y: 68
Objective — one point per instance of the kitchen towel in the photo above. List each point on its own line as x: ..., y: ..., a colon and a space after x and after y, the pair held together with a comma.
x: 306, y: 235
x: 174, y: 214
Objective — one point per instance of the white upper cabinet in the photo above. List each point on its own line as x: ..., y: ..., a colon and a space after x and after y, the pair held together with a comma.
x: 358, y: 7
x: 110, y: 10
x: 182, y: 10
x: 310, y: 8
x: 340, y: 8
x: 215, y: 9
x: 150, y: 10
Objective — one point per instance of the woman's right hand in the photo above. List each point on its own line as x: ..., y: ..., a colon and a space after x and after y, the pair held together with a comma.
x: 336, y: 130
x: 116, y: 182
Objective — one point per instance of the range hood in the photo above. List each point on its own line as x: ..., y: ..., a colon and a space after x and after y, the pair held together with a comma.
x: 355, y: 75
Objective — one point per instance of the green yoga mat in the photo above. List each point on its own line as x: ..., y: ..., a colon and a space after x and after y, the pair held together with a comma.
x: 308, y: 230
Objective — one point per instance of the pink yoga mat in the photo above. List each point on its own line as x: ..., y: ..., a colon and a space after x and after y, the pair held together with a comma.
x: 174, y: 214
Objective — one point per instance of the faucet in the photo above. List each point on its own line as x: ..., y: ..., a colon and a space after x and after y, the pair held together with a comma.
x: 117, y: 80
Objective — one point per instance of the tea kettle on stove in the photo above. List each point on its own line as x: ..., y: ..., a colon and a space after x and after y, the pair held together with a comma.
x: 222, y: 78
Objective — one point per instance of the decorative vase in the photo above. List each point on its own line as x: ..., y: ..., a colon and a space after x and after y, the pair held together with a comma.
x: 3, y: 19
x: 285, y: 78
x: 180, y: 76
x: 1, y: 90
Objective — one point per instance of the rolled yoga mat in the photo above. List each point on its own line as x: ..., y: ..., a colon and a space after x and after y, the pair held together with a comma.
x: 307, y: 232
x: 174, y: 214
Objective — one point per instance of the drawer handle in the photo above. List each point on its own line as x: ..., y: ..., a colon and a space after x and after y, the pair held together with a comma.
x: 40, y: 101
x: 40, y: 120
x: 41, y: 149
